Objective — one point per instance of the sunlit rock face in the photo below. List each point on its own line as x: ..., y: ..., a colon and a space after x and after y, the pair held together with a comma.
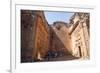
x: 34, y: 35
x: 80, y: 35
x: 60, y: 39
x: 41, y: 42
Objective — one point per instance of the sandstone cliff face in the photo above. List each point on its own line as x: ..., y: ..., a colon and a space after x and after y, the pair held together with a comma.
x: 60, y: 39
x: 41, y: 36
x: 34, y: 35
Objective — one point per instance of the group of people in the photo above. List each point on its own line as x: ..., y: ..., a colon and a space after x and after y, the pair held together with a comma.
x: 53, y: 54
